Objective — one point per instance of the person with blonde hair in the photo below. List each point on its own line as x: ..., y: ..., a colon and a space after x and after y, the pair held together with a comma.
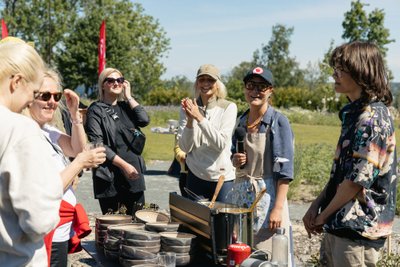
x: 205, y: 135
x: 115, y: 120
x: 29, y: 193
x: 74, y: 223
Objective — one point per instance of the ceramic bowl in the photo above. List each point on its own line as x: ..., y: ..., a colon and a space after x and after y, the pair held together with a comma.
x: 176, y: 249
x: 162, y: 226
x: 141, y: 243
x: 114, y: 219
x: 111, y: 254
x: 176, y: 238
x: 140, y: 235
x: 130, y: 262
x: 151, y: 216
x: 134, y: 253
x: 116, y: 230
x: 111, y: 243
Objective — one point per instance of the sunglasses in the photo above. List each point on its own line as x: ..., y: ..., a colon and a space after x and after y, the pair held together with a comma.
x: 45, y: 96
x: 259, y: 87
x: 110, y: 80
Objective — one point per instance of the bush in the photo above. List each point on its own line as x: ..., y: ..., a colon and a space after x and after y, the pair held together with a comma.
x: 312, y: 165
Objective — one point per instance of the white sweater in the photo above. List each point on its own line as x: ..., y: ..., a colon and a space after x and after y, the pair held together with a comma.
x: 30, y: 191
x: 208, y: 143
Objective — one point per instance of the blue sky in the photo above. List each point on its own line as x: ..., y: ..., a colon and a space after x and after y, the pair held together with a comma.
x: 227, y: 32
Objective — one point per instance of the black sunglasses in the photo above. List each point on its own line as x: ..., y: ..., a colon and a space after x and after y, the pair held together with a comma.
x: 113, y: 80
x: 45, y: 96
x: 258, y: 86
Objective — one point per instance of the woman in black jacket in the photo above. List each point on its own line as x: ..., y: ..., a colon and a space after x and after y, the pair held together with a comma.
x: 114, y: 121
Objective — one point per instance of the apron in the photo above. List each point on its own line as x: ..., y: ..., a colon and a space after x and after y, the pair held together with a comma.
x: 251, y: 180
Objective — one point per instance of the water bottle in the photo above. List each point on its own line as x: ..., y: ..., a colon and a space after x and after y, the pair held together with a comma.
x: 280, y: 248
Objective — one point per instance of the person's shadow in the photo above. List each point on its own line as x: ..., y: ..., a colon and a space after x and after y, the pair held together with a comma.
x: 156, y: 172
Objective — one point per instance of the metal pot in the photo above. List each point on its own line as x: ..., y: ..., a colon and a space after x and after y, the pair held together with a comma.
x: 232, y: 225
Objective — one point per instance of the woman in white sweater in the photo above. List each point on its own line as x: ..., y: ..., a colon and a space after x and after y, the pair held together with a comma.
x: 205, y: 135
x: 30, y: 185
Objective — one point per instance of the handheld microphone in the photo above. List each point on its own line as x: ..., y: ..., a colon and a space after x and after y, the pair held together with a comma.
x: 240, y: 134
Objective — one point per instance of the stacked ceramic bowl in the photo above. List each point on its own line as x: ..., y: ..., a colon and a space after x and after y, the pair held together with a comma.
x: 114, y: 238
x: 102, y: 222
x: 180, y: 243
x: 139, y: 247
x: 151, y: 216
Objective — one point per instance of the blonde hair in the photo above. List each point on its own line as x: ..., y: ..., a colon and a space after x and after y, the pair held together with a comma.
x: 220, y: 93
x: 19, y: 57
x: 57, y: 118
x: 103, y: 75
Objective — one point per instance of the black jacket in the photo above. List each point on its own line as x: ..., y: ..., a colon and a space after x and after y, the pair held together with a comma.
x: 102, y: 125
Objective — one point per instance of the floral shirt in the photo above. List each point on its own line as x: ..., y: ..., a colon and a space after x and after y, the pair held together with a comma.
x: 366, y: 155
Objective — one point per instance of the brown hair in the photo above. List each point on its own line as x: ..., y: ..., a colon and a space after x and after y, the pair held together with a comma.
x: 364, y: 62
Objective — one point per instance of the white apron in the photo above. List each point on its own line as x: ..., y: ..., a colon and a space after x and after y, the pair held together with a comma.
x: 251, y: 180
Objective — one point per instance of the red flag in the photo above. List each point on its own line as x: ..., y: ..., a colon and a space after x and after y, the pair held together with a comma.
x: 102, y: 47
x: 4, y: 31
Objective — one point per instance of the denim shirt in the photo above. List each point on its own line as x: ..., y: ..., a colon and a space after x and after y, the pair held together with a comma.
x: 365, y: 155
x: 282, y: 140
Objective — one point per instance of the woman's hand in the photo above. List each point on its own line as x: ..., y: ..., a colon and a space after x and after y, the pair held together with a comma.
x: 127, y: 90
x: 239, y: 159
x: 72, y: 101
x: 92, y: 158
x: 192, y: 109
x: 275, y: 218
x: 130, y: 172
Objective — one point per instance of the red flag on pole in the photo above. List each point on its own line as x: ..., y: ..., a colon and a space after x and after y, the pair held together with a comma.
x: 4, y: 31
x: 102, y: 47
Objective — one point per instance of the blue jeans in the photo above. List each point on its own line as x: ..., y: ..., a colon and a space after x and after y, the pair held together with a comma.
x: 205, y: 189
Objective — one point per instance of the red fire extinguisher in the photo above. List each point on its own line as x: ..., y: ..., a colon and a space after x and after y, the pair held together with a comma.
x: 237, y: 253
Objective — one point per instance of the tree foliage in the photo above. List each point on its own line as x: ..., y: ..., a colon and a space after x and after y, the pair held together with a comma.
x: 360, y: 26
x: 276, y: 56
x: 66, y: 33
x: 45, y: 23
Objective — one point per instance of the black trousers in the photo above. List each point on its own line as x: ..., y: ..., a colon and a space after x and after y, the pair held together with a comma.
x: 59, y: 254
x: 130, y: 200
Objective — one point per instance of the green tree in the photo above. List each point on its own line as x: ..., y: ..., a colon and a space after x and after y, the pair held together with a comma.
x: 135, y: 45
x: 360, y: 26
x: 275, y: 55
x: 45, y: 22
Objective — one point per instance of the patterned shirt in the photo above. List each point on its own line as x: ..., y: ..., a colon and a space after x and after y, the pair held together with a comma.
x: 365, y: 155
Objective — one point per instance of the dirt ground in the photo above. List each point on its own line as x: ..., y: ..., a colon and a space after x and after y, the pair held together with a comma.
x: 304, y: 247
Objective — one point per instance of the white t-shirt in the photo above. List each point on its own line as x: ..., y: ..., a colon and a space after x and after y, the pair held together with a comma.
x: 63, y: 232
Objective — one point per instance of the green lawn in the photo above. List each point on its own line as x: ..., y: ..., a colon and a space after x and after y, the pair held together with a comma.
x: 160, y: 146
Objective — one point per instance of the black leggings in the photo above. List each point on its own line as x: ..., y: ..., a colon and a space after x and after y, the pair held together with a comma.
x: 130, y: 200
x: 59, y: 254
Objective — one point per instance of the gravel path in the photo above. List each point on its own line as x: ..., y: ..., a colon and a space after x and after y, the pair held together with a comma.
x: 158, y: 187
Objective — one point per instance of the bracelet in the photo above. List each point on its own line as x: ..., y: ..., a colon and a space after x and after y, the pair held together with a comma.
x: 77, y: 122
x: 129, y: 99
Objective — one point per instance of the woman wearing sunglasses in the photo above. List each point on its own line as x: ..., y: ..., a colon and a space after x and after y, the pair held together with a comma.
x: 266, y: 160
x: 43, y: 111
x: 115, y: 120
x: 30, y: 186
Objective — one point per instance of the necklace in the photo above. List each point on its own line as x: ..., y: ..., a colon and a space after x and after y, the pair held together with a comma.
x: 254, y: 124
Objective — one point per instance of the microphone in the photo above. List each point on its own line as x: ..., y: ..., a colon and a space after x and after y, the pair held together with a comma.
x: 240, y: 134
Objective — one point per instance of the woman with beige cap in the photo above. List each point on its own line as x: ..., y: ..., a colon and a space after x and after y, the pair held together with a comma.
x: 205, y: 135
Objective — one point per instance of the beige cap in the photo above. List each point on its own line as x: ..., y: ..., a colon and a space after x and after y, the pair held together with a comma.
x: 208, y: 69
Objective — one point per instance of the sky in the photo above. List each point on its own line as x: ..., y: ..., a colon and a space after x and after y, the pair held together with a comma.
x: 227, y: 32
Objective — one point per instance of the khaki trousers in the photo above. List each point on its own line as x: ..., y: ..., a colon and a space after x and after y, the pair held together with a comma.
x: 341, y: 252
